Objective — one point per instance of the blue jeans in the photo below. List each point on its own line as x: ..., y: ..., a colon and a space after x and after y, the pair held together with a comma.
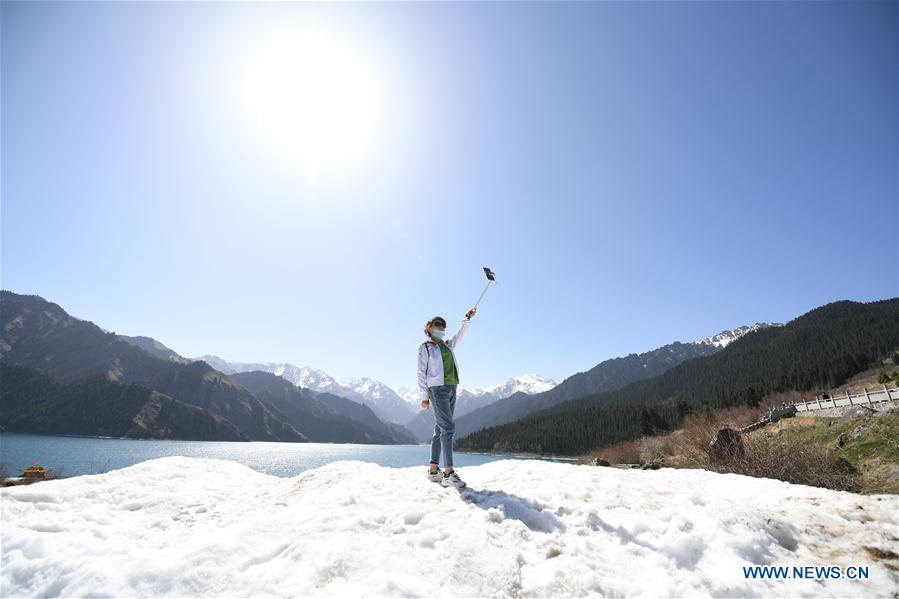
x: 443, y: 399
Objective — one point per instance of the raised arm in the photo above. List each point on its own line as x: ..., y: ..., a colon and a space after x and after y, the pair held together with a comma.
x: 453, y: 342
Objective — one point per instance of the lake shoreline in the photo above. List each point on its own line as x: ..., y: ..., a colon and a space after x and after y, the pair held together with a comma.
x: 517, y: 454
x: 524, y: 455
x: 74, y: 455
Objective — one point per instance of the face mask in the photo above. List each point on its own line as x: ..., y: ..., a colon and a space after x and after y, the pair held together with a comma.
x: 438, y: 334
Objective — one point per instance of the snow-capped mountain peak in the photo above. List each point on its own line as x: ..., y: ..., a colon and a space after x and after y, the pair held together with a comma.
x: 370, y: 388
x: 388, y: 404
x: 725, y: 338
x: 409, y: 394
x: 378, y: 396
x: 317, y: 380
x: 384, y: 400
x: 527, y: 383
x: 301, y: 376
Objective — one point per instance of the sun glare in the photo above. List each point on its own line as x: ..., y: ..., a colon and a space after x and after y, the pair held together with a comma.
x: 307, y: 101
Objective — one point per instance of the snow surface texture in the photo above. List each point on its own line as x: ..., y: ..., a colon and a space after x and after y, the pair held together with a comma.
x: 179, y: 526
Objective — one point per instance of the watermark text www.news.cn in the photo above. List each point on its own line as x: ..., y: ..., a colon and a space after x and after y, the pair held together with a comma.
x: 806, y: 572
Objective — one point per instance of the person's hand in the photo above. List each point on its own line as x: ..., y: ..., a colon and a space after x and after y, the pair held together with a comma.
x: 425, y: 403
x: 470, y: 313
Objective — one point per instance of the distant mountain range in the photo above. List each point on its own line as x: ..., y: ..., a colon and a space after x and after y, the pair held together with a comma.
x: 422, y: 425
x: 69, y: 367
x: 398, y: 407
x: 605, y: 376
x: 300, y: 376
x: 523, y: 394
x: 35, y: 402
x: 385, y: 402
x: 820, y: 349
x: 171, y: 396
x: 323, y: 417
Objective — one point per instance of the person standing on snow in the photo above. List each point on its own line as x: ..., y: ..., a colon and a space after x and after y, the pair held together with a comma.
x: 438, y: 377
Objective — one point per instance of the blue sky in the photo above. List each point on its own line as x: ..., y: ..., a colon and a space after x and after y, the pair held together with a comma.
x: 634, y: 173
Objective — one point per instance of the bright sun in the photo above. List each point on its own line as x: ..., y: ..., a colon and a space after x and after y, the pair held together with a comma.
x: 308, y: 101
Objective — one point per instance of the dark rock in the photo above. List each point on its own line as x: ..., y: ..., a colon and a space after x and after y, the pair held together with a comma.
x: 599, y: 462
x: 727, y: 445
x: 785, y: 410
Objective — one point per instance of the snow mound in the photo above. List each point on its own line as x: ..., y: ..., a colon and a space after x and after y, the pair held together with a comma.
x: 179, y: 526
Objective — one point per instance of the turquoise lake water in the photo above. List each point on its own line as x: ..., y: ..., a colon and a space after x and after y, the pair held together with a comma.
x: 73, y: 456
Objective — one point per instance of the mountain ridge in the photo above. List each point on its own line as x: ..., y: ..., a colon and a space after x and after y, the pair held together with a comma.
x: 822, y: 347
x: 608, y: 375
x: 39, y: 334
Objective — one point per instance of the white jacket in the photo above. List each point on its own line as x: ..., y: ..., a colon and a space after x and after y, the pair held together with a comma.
x: 430, y: 362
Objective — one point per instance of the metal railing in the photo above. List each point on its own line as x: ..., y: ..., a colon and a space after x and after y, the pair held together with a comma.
x: 868, y: 398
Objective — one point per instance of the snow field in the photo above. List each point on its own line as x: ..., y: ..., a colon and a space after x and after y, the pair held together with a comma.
x: 179, y: 526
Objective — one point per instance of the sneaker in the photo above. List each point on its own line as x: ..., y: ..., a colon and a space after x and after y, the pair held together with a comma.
x: 452, y: 479
x: 435, y: 477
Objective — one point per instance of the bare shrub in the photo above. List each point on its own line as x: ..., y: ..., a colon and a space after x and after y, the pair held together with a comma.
x: 654, y: 449
x: 624, y: 452
x: 781, y: 456
x: 788, y: 458
x: 692, y: 445
x: 636, y: 451
x: 739, y: 416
